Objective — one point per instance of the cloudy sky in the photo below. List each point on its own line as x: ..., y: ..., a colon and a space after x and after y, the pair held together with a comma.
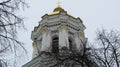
x: 94, y: 13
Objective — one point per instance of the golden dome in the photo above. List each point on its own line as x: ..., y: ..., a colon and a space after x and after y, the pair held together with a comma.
x: 58, y: 8
x: 57, y: 11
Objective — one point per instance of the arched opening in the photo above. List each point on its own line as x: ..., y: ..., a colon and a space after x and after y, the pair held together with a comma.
x: 55, y: 42
x: 70, y: 44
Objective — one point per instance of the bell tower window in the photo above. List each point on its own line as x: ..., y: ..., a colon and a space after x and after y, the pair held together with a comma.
x: 55, y: 42
x: 70, y: 44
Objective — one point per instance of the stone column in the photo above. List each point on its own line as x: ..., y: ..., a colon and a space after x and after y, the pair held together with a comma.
x: 35, y: 50
x: 46, y: 40
x: 63, y: 37
x: 78, y: 42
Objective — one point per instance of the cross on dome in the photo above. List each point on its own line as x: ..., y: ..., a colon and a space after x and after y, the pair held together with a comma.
x: 58, y: 8
x: 58, y: 3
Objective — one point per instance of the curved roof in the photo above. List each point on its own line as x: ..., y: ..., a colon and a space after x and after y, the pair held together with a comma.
x: 58, y: 8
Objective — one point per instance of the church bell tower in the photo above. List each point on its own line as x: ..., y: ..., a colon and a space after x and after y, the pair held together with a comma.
x: 56, y: 32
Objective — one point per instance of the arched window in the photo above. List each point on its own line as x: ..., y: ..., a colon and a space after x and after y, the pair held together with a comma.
x: 70, y: 44
x: 55, y: 42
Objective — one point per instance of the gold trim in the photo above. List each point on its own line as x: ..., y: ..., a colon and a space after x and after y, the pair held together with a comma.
x: 44, y: 30
x: 33, y: 44
x: 54, y: 13
x: 63, y: 26
x: 82, y: 34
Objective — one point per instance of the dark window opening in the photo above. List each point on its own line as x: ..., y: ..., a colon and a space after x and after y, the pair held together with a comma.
x: 70, y: 44
x: 55, y: 48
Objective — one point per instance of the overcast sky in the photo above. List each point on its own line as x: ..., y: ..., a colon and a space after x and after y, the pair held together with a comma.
x: 94, y: 13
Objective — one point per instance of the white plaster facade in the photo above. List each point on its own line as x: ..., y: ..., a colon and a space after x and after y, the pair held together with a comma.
x: 61, y: 25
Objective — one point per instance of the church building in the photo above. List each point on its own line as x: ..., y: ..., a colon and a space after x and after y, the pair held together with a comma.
x: 58, y: 33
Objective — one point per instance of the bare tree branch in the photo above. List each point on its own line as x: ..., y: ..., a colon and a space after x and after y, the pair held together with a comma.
x: 10, y: 22
x: 109, y: 54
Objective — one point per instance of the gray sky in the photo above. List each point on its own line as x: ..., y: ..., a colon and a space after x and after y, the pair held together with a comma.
x: 94, y: 13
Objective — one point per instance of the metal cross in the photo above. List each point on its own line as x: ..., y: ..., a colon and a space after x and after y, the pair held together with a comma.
x: 58, y: 2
